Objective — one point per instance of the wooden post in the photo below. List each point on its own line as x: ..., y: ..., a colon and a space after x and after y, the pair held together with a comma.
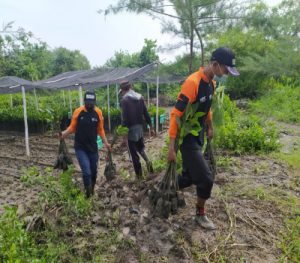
x: 108, y: 109
x: 25, y: 122
x: 157, y: 99
x: 64, y: 98
x: 11, y: 101
x: 35, y: 99
x: 80, y: 96
x: 70, y: 102
x: 117, y: 96
x: 148, y: 94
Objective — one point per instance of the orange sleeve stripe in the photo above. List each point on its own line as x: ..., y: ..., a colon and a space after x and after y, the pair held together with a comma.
x: 100, y: 129
x: 209, y: 116
x: 189, y: 89
x: 73, y: 124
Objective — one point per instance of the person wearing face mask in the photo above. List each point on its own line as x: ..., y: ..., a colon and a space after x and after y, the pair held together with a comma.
x: 199, y: 87
x: 87, y: 122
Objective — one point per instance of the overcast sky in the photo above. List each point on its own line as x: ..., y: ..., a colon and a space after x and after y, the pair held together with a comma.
x: 75, y: 24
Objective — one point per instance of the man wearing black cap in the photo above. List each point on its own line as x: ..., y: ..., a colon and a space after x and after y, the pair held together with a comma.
x: 199, y: 88
x: 87, y: 122
x: 134, y: 112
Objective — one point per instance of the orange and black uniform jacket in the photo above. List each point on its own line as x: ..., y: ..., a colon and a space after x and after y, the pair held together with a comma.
x: 196, y: 88
x: 87, y: 125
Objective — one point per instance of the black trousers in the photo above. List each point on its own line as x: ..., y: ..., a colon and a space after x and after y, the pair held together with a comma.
x: 135, y: 148
x: 195, y: 171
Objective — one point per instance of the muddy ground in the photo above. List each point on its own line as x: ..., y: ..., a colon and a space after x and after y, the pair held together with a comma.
x: 248, y: 222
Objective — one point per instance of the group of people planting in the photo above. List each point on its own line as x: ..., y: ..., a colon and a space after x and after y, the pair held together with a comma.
x: 87, y: 122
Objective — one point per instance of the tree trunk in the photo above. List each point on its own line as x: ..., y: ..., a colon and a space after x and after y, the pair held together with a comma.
x: 191, y: 39
x: 191, y: 53
x: 202, y: 46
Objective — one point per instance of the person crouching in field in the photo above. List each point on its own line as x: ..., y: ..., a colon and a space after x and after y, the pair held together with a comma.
x: 87, y: 122
x: 198, y: 87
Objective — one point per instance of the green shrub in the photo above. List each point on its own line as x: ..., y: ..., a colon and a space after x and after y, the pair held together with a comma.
x: 16, y: 244
x: 243, y: 133
x: 281, y: 101
x: 152, y: 111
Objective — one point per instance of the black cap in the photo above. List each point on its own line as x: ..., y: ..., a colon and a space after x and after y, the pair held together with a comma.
x: 225, y: 56
x: 90, y: 97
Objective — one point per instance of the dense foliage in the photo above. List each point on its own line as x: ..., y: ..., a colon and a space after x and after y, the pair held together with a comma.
x: 280, y: 101
x: 23, y: 56
x: 244, y: 133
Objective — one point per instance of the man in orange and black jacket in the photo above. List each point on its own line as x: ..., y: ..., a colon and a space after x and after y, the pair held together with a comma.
x: 198, y: 87
x: 87, y: 122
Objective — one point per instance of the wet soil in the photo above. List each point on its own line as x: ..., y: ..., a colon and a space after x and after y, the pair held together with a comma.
x: 248, y: 223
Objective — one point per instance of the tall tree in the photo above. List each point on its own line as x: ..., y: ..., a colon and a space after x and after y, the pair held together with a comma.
x: 188, y: 19
x: 25, y: 56
x: 67, y: 60
x: 144, y: 57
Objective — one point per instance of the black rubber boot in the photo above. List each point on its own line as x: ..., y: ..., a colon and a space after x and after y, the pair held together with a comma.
x: 139, y: 173
x: 150, y: 167
x: 93, y: 189
x: 88, y: 191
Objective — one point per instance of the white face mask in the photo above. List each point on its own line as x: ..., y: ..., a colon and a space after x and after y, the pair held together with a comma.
x: 221, y: 79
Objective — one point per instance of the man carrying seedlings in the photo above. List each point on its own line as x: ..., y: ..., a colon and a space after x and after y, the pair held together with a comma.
x: 133, y: 113
x: 198, y: 88
x: 87, y: 122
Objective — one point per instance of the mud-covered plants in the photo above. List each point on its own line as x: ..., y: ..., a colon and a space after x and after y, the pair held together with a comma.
x: 165, y: 197
x: 61, y: 193
x: 110, y: 167
x: 30, y: 175
x: 63, y: 159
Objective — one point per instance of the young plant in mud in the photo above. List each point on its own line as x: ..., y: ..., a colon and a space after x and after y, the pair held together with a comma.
x: 110, y: 167
x: 165, y: 197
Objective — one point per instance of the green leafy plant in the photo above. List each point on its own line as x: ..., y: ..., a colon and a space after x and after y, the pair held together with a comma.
x: 244, y: 133
x: 16, y: 244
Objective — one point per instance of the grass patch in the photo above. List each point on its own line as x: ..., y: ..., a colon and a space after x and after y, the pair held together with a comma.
x: 292, y: 159
x: 281, y: 101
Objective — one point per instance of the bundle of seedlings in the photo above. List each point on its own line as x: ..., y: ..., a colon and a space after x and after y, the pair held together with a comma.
x: 210, y: 158
x: 63, y: 159
x: 165, y: 197
x: 110, y: 167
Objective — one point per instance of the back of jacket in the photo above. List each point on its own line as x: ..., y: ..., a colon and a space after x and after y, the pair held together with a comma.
x: 134, y: 109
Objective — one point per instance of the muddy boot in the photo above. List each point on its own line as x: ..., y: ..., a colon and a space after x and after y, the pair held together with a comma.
x: 148, y: 162
x: 139, y: 173
x: 149, y: 167
x: 93, y: 189
x: 88, y: 191
x: 203, y: 221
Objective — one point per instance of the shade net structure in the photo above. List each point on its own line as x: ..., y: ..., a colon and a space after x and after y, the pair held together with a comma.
x: 92, y: 79
x: 89, y: 79
x: 163, y: 79
x: 11, y: 84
